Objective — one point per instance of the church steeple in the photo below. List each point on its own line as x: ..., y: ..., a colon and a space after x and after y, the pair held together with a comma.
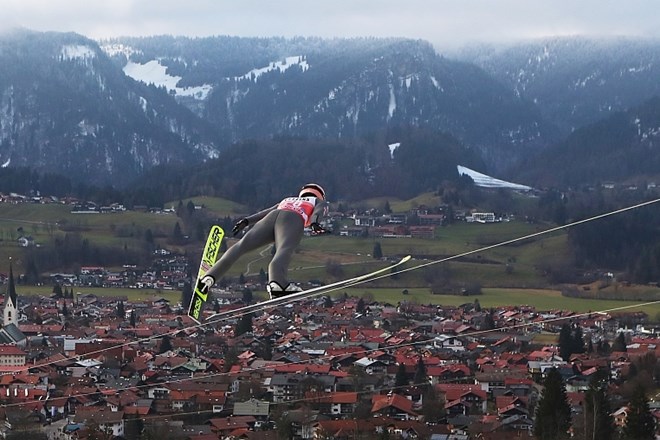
x: 10, y: 312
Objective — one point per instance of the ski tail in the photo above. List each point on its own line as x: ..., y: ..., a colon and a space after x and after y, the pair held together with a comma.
x: 210, y: 254
x: 309, y: 292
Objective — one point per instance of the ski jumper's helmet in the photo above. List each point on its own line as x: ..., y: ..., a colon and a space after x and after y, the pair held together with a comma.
x: 314, y: 190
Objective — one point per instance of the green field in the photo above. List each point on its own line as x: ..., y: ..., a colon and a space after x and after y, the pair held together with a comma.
x: 542, y: 300
x: 173, y: 296
x: 507, y: 274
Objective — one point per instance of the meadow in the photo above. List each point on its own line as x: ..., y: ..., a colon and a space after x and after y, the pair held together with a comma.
x: 464, y: 253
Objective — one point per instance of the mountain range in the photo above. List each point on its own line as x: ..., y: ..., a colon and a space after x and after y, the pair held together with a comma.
x: 108, y: 112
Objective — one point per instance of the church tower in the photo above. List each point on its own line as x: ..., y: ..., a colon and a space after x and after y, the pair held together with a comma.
x: 10, y: 312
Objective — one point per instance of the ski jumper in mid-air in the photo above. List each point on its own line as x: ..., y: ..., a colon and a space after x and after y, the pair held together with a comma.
x: 282, y: 224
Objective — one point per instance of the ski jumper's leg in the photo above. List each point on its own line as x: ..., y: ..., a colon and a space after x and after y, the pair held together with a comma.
x: 261, y: 234
x: 289, y: 228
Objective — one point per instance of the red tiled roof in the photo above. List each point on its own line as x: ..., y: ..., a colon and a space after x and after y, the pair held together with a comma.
x: 333, y: 397
x: 11, y: 350
x: 381, y: 401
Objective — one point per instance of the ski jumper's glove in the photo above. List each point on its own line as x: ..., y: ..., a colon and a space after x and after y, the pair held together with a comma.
x: 239, y: 226
x: 318, y: 229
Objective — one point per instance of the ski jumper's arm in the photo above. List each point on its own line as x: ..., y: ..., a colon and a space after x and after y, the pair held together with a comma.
x: 253, y: 218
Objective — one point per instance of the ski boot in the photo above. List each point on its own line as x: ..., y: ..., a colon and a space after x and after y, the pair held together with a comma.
x: 275, y: 289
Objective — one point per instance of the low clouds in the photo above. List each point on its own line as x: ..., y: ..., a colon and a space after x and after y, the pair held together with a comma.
x: 445, y: 23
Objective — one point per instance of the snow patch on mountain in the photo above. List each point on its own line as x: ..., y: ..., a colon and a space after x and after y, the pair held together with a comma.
x: 155, y: 73
x: 281, y: 66
x: 77, y: 51
x: 393, y: 147
x: 486, y: 181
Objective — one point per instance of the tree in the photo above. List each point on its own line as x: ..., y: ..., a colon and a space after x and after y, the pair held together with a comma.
x: 565, y: 342
x: 619, y: 343
x: 553, y: 413
x: 177, y: 234
x: 186, y: 295
x: 640, y: 424
x: 285, y: 427
x: 433, y: 408
x: 165, y: 344
x: 247, y: 296
x: 244, y: 324
x: 598, y: 421
x: 120, y: 311
x: 57, y: 291
x: 377, y: 252
x: 132, y: 318
x: 489, y: 322
x: 420, y: 373
x: 327, y: 302
x: 401, y: 378
x: 360, y: 306
x: 577, y: 341
x: 65, y: 310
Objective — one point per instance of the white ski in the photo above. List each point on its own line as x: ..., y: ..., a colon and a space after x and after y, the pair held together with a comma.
x: 309, y: 292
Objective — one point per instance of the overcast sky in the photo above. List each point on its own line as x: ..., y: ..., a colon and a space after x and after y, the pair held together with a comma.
x: 445, y: 23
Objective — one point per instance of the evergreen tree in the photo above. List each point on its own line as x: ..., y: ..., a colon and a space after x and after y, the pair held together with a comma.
x: 640, y: 424
x: 57, y: 291
x: 489, y: 322
x: 132, y: 318
x: 327, y: 302
x: 598, y: 421
x: 65, y: 310
x: 247, y: 296
x: 190, y: 208
x: 420, y: 373
x: 177, y: 234
x: 401, y: 378
x: 266, y: 350
x: 186, y: 295
x: 619, y: 343
x: 165, y: 344
x: 565, y: 342
x: 377, y: 252
x: 360, y: 307
x: 577, y: 341
x: 553, y: 413
x: 244, y: 324
x: 120, y: 311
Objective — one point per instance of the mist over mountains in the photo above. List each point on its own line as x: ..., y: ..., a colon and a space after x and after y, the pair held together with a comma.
x: 109, y: 112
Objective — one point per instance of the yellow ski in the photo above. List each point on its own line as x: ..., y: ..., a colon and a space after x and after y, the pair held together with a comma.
x: 210, y: 254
